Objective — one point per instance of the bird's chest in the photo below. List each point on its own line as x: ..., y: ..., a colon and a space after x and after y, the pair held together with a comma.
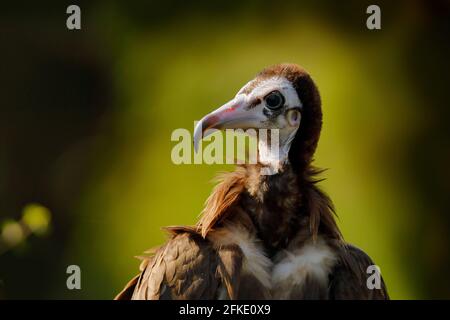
x: 303, y: 273
x: 297, y: 272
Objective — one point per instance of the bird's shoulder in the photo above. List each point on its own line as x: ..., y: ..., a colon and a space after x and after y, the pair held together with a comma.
x: 187, y: 266
x: 349, y: 278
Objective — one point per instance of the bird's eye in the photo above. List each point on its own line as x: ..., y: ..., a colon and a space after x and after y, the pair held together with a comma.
x: 274, y: 100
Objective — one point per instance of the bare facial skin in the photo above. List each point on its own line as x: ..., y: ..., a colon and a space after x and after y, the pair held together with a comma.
x: 272, y: 104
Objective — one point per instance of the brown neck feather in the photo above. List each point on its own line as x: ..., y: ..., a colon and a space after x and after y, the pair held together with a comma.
x: 225, y: 195
x: 279, y: 206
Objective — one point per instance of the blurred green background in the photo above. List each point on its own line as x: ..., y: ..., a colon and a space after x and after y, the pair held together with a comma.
x: 86, y: 116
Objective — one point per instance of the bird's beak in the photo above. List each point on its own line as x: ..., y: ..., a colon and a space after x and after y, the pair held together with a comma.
x: 235, y: 114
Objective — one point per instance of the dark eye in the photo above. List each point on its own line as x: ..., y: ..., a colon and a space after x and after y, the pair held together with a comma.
x: 274, y: 100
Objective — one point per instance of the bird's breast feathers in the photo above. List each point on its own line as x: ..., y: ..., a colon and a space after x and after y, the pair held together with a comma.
x: 283, y: 276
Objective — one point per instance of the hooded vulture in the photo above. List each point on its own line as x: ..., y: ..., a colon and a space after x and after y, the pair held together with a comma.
x: 262, y: 236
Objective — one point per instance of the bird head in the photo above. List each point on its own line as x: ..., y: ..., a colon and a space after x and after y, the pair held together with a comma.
x: 281, y: 97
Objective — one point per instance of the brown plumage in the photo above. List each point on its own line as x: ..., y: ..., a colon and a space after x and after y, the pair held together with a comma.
x: 263, y: 236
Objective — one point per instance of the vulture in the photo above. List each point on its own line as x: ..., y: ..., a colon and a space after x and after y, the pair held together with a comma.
x: 262, y: 236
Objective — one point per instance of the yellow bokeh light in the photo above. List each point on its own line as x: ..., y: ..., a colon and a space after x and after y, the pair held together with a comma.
x: 12, y: 233
x: 37, y: 218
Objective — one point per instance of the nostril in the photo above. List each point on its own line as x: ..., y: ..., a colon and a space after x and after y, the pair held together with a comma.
x: 254, y: 103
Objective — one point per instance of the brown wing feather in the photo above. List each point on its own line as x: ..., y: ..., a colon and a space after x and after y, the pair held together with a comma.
x: 348, y: 280
x: 230, y: 264
x: 184, y: 268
